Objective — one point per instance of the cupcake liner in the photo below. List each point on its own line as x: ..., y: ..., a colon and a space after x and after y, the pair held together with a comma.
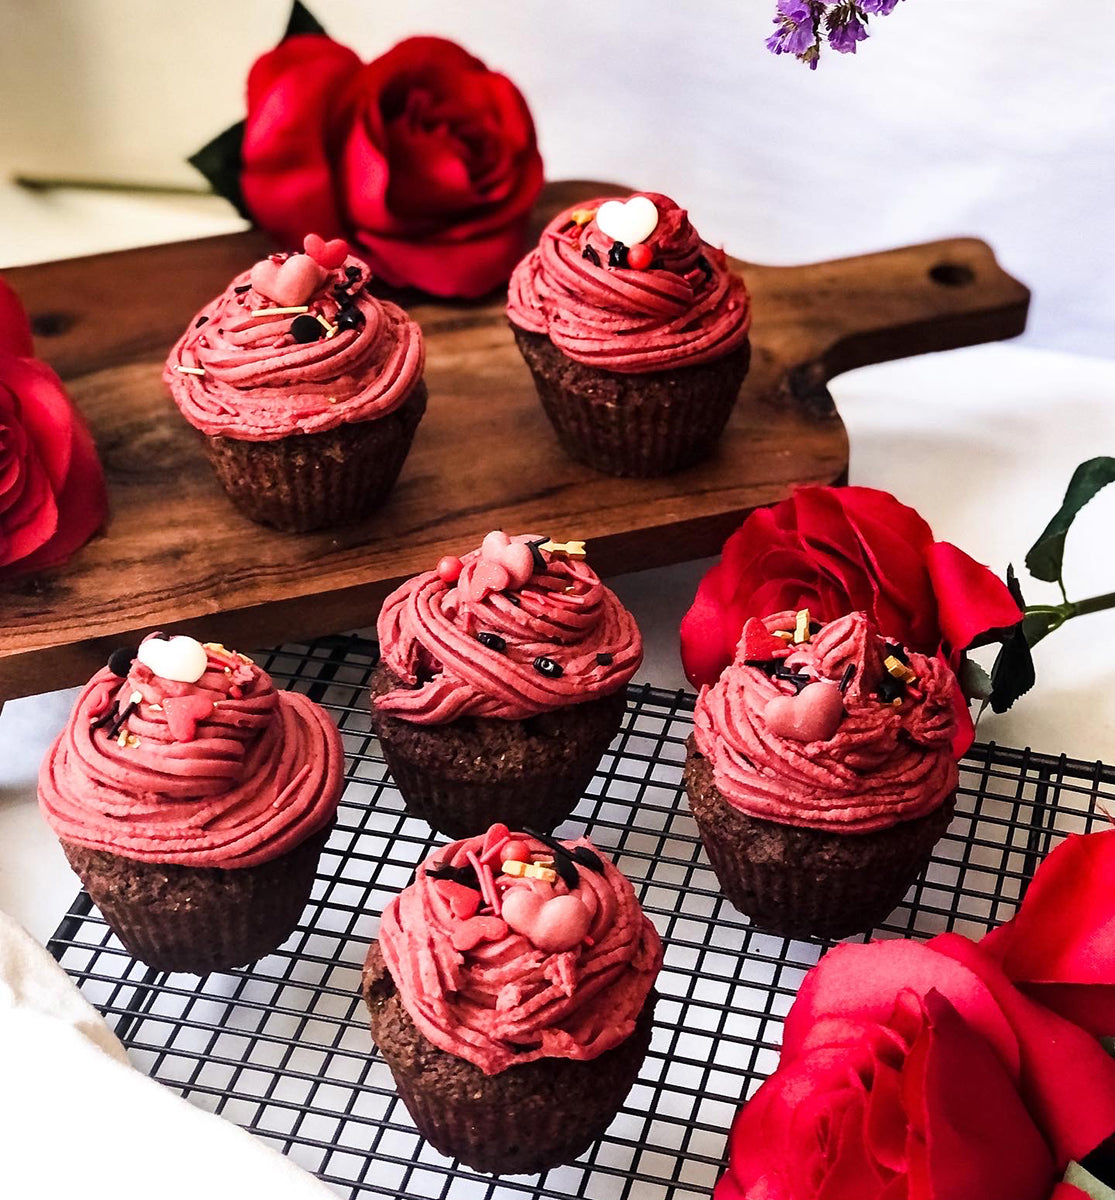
x: 634, y: 425
x: 313, y: 480
x: 526, y: 1119
x: 801, y: 882
x: 199, y: 919
x: 462, y: 777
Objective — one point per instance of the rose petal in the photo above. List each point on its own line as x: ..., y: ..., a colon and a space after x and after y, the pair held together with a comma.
x: 15, y: 328
x: 1060, y: 946
x: 971, y: 599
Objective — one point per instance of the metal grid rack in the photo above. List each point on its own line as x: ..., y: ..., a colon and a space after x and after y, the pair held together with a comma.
x: 283, y: 1048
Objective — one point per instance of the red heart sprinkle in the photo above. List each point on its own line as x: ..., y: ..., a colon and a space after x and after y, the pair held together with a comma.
x: 330, y: 254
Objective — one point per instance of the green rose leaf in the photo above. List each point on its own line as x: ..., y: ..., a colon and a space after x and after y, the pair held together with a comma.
x: 302, y: 21
x: 1013, y: 672
x: 1047, y: 554
x: 975, y: 682
x: 219, y: 162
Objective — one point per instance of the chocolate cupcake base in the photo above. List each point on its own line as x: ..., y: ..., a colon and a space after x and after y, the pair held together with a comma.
x: 808, y: 882
x: 635, y: 425
x: 524, y: 1120
x: 313, y: 480
x: 199, y: 919
x: 464, y: 776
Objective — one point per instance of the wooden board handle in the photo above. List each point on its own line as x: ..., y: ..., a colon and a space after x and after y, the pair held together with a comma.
x: 894, y: 304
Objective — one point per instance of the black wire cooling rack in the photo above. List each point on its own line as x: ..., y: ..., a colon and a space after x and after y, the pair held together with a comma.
x: 283, y: 1047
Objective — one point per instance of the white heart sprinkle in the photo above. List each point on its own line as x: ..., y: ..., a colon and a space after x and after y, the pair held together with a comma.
x: 627, y: 221
x: 179, y: 659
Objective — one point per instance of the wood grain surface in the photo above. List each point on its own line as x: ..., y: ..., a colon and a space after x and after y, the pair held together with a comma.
x: 176, y: 556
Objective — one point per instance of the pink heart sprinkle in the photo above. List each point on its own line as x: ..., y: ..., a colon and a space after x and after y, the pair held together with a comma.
x: 330, y: 255
x: 471, y: 933
x: 291, y: 283
x: 813, y: 715
x: 463, y: 901
x: 488, y: 577
x: 551, y: 925
x: 183, y: 713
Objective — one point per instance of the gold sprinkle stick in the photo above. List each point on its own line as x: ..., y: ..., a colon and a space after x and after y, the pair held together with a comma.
x: 189, y: 370
x: 801, y: 629
x: 278, y: 312
x: 569, y: 549
x: 582, y: 216
x: 899, y: 669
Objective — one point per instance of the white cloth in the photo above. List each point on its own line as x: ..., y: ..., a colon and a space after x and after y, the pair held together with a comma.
x: 77, y: 1120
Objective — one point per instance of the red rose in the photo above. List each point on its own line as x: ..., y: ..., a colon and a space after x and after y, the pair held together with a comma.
x: 921, y: 1072
x: 52, y: 491
x: 423, y: 158
x: 841, y: 550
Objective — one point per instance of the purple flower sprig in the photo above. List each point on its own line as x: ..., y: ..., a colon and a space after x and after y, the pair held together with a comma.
x: 801, y: 24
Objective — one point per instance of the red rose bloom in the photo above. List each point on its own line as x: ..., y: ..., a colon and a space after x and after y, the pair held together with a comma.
x: 841, y: 550
x: 920, y: 1072
x: 423, y: 158
x: 52, y: 491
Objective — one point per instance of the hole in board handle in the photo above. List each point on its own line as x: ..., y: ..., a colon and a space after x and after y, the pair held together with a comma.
x: 952, y: 274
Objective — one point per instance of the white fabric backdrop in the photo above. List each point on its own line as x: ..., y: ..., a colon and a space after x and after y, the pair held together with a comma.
x: 990, y: 117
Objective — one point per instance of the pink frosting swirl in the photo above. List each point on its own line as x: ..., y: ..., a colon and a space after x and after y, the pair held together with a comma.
x: 482, y: 990
x: 261, y: 384
x: 685, y: 308
x: 225, y: 772
x: 885, y: 763
x: 463, y: 650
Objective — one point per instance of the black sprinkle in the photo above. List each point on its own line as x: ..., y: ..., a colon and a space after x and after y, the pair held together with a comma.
x: 798, y: 678
x: 605, y: 659
x: 121, y: 717
x: 536, y: 554
x: 306, y: 329
x: 549, y: 668
x: 898, y: 653
x: 768, y: 665
x: 244, y: 287
x: 706, y: 266
x: 465, y: 874
x: 617, y: 256
x: 564, y: 862
x: 589, y: 252
x: 350, y: 318
x: 200, y: 322
x: 352, y: 272
x: 161, y: 637
x: 815, y: 627
x: 513, y: 599
x: 120, y: 660
x: 586, y: 858
x: 106, y: 718
x: 891, y: 689
x: 492, y: 640
x: 846, y: 678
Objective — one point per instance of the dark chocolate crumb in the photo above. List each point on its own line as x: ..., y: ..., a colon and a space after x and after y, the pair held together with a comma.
x: 549, y: 668
x: 121, y: 716
x: 846, y: 678
x: 352, y: 272
x: 617, y: 256
x: 605, y: 659
x: 306, y: 329
x: 200, y: 322
x: 513, y: 599
x: 891, y: 689
x: 706, y: 266
x: 350, y: 318
x: 120, y: 660
x: 492, y: 640
x: 767, y: 665
x: 589, y: 252
x: 244, y: 287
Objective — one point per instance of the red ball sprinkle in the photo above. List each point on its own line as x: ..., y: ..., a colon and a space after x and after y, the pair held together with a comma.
x: 450, y: 568
x: 639, y: 257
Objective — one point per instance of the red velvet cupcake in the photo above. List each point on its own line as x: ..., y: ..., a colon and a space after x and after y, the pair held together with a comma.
x: 307, y: 389
x: 635, y: 332
x: 821, y: 772
x: 193, y: 799
x: 502, y: 682
x: 511, y: 992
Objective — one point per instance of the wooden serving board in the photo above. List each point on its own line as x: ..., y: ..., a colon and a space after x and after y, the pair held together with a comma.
x: 175, y: 555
